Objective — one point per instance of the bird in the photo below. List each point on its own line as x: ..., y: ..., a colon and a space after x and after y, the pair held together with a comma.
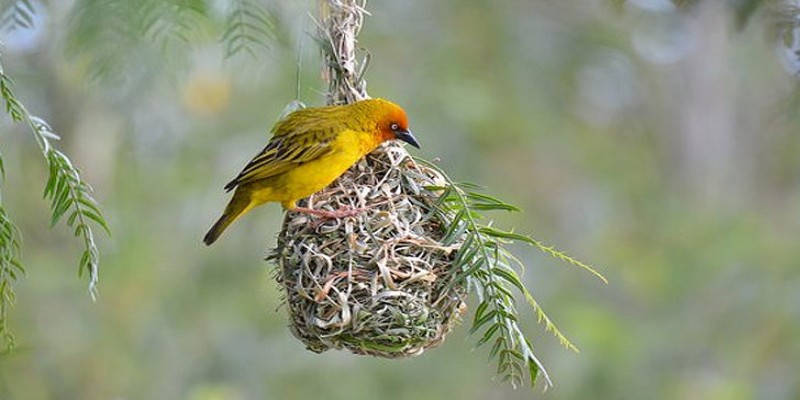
x: 308, y: 150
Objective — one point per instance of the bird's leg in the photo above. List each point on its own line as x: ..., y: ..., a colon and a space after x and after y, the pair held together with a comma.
x: 343, y: 212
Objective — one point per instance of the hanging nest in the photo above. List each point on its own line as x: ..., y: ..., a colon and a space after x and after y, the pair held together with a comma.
x: 378, y: 283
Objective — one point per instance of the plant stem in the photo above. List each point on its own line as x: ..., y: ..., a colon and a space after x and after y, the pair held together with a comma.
x: 340, y: 22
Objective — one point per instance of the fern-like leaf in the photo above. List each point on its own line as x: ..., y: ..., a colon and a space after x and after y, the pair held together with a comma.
x: 10, y: 238
x: 13, y: 107
x: 249, y: 27
x: 16, y: 14
x: 102, y: 33
x: 126, y: 43
x: 67, y: 192
x: 169, y: 23
x: 10, y: 269
x: 490, y: 271
x: 120, y: 37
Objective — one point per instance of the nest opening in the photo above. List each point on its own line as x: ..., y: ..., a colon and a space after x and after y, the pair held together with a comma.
x: 381, y: 282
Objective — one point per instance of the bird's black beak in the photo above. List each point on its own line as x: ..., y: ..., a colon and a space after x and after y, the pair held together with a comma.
x: 407, y: 136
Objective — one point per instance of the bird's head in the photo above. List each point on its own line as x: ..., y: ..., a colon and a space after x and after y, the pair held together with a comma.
x: 392, y: 122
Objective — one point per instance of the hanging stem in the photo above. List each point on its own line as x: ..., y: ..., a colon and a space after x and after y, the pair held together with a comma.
x: 340, y: 22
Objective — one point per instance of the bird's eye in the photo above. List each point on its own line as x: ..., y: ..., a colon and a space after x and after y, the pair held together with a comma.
x: 394, y: 127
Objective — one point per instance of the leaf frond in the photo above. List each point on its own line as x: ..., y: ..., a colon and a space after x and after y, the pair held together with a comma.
x: 115, y: 38
x: 490, y: 270
x: 250, y: 27
x: 66, y: 191
x: 10, y: 269
x: 17, y: 14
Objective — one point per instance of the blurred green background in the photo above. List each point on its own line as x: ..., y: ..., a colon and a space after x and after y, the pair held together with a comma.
x: 659, y: 144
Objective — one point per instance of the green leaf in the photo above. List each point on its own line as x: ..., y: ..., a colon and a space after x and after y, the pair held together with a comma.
x: 455, y: 230
x: 509, y: 276
x: 499, y: 343
x: 435, y: 188
x: 471, y: 269
x: 488, y: 335
x: 10, y: 267
x: 468, y: 255
x: 85, y: 260
x: 483, y: 201
x: 533, y: 371
x: 493, y: 207
x: 466, y: 186
x: 67, y: 193
x: 479, y: 312
x: 508, y: 296
x: 497, y: 233
x: 97, y: 218
x: 476, y: 326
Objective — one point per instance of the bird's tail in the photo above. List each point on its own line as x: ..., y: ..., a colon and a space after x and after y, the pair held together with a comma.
x: 216, y: 230
x: 233, y: 211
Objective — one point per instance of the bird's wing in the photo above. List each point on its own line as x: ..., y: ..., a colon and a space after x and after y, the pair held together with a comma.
x: 284, y: 152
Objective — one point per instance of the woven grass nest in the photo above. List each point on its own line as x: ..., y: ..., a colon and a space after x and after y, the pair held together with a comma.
x: 378, y: 283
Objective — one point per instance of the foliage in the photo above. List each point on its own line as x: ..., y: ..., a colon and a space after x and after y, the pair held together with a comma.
x: 10, y: 268
x: 118, y: 37
x: 68, y: 194
x: 489, y: 269
x: 114, y: 38
x: 16, y: 14
x: 249, y: 28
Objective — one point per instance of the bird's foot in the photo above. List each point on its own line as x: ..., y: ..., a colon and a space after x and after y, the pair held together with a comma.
x: 343, y: 212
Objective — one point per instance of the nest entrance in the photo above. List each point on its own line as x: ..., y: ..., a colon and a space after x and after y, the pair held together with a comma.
x: 378, y: 283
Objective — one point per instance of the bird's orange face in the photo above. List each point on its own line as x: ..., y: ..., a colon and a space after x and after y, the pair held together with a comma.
x: 394, y: 125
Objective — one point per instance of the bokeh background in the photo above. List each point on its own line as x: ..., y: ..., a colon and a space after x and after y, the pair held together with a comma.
x: 658, y: 143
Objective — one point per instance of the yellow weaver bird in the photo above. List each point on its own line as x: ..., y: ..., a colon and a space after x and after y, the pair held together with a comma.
x: 309, y: 149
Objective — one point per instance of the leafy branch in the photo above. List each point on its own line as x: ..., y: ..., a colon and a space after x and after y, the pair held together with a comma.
x: 118, y: 38
x: 69, y: 196
x: 10, y: 268
x: 16, y: 14
x: 489, y: 269
x: 172, y: 21
x: 249, y: 26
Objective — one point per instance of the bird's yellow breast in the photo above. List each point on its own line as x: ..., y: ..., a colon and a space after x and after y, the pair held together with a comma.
x: 306, y: 179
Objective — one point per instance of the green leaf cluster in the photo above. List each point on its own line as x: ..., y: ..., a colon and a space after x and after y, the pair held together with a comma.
x: 10, y: 269
x: 69, y: 196
x: 249, y: 26
x: 16, y: 14
x: 118, y: 39
x: 490, y: 270
x: 114, y: 39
